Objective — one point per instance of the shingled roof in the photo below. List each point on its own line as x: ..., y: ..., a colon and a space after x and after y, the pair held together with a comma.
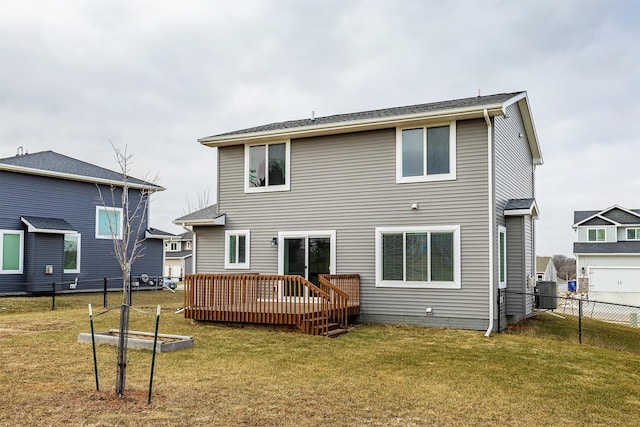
x: 384, y: 112
x: 53, y: 164
x: 410, y: 115
x: 206, y: 216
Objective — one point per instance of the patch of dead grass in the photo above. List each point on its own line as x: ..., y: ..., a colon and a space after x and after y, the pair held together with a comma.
x: 375, y: 375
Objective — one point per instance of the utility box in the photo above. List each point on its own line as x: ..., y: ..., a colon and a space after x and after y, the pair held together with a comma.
x: 547, y: 295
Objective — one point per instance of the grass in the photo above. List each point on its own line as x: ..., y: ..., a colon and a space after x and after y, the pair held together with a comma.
x: 374, y: 375
x: 594, y: 332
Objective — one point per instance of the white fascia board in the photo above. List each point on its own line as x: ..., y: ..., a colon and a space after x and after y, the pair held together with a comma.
x: 72, y: 177
x: 148, y: 235
x: 625, y: 254
x: 352, y: 126
x: 219, y: 220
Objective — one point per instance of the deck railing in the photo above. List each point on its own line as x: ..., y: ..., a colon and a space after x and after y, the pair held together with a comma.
x: 348, y: 284
x: 273, y: 299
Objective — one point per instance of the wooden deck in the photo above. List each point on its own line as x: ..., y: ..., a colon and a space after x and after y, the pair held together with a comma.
x: 274, y: 299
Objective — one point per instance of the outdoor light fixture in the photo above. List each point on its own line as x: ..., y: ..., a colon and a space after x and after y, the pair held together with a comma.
x: 274, y: 241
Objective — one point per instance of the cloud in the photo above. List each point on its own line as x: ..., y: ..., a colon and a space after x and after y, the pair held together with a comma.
x: 157, y: 75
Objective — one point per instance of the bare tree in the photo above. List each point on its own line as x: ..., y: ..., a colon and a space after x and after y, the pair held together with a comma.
x: 201, y: 202
x: 565, y: 266
x: 127, y: 230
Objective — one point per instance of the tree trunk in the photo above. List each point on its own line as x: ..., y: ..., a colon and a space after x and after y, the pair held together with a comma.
x: 121, y: 373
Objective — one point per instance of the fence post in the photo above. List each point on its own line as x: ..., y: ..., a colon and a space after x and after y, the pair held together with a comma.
x: 53, y: 296
x: 580, y: 320
x: 104, y: 303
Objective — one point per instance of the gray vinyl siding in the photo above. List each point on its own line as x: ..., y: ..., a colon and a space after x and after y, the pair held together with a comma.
x: 514, y: 179
x: 75, y: 202
x: 347, y: 183
x: 516, y: 272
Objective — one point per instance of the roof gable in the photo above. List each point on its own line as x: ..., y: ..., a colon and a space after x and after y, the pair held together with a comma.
x: 597, y: 220
x: 614, y: 215
x: 49, y: 163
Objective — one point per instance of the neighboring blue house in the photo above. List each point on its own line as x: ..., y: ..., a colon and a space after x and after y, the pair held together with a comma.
x: 55, y: 228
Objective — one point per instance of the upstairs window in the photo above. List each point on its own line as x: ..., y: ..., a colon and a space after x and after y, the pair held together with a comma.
x: 108, y: 223
x: 426, y: 153
x: 633, y: 233
x: 173, y: 246
x: 236, y: 249
x: 11, y: 249
x: 71, y: 253
x: 267, y: 167
x: 597, y: 235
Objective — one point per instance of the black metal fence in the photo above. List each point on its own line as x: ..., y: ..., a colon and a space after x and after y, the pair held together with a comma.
x: 575, y: 317
x: 104, y: 286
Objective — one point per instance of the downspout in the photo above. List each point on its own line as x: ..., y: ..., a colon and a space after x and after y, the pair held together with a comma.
x: 491, y: 215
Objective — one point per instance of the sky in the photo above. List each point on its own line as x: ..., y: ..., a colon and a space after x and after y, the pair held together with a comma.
x: 153, y: 76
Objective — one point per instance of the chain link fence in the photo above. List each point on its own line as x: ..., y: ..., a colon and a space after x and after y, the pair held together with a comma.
x: 575, y: 317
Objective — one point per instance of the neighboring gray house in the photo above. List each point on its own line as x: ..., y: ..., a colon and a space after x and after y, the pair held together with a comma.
x: 607, y: 250
x: 54, y: 228
x: 545, y: 269
x: 432, y: 204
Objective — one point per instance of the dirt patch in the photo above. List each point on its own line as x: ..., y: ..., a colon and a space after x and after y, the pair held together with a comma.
x: 519, y: 327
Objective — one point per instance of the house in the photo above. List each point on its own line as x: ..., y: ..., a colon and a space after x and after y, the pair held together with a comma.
x: 432, y: 206
x: 178, y: 260
x: 55, y: 228
x: 546, y: 269
x: 607, y: 250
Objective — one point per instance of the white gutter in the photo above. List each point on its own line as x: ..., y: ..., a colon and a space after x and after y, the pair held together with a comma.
x: 352, y: 125
x: 491, y: 215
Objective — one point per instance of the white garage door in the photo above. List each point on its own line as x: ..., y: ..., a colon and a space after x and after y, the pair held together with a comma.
x: 612, y: 279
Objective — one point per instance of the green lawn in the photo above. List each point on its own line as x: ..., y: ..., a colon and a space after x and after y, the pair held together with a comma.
x: 374, y: 375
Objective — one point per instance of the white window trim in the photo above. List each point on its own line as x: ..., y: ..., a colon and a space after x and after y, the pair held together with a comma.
x: 455, y: 284
x: 21, y: 255
x: 107, y: 208
x: 502, y: 284
x: 331, y: 234
x: 77, y: 269
x: 426, y: 178
x: 637, y: 233
x: 238, y: 265
x: 268, y: 188
x: 596, y: 229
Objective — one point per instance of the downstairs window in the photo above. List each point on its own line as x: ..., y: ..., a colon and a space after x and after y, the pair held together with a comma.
x: 418, y: 257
